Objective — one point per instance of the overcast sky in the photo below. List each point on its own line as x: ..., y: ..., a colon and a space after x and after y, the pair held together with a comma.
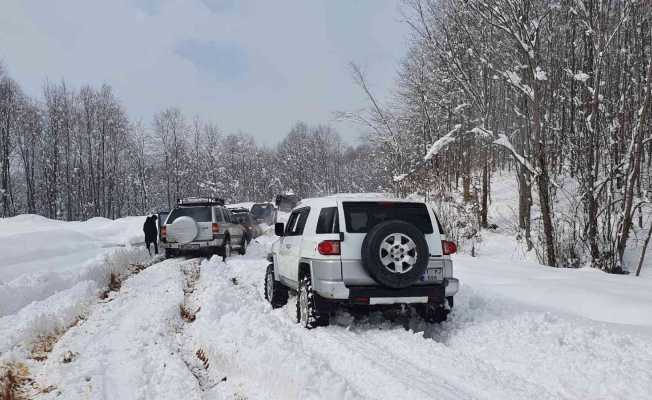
x: 254, y: 66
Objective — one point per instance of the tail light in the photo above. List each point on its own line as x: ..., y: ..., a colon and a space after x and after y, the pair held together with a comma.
x: 448, y: 247
x: 164, y: 232
x: 329, y: 248
x: 216, y: 228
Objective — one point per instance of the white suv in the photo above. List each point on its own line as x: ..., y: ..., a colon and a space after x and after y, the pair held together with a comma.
x: 354, y: 251
x: 202, y: 225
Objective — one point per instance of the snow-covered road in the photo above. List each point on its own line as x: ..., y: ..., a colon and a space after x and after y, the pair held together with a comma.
x: 137, y: 346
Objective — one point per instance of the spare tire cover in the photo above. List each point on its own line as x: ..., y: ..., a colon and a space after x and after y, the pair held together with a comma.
x: 395, y: 254
x: 183, y: 230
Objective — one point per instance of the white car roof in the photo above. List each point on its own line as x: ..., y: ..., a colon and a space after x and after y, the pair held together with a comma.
x: 333, y: 200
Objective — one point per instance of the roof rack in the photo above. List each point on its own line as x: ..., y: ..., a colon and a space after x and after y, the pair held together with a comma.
x: 238, y: 209
x: 200, y: 201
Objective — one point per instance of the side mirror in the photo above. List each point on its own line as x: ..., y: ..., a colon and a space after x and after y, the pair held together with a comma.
x: 279, y: 229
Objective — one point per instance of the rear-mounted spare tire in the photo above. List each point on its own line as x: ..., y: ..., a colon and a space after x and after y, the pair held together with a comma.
x: 395, y: 254
x: 182, y: 230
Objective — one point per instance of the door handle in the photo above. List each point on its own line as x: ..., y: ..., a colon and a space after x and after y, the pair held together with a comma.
x: 288, y: 246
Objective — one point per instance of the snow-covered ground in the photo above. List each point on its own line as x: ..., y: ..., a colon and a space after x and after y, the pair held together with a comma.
x: 518, y: 331
x: 51, y: 271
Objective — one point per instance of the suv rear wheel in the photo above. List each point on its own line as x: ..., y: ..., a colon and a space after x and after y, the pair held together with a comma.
x: 226, y: 249
x: 432, y: 313
x: 243, y: 246
x: 275, y: 292
x: 395, y: 253
x: 307, y: 313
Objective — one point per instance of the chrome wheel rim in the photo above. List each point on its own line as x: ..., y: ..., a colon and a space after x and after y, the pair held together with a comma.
x: 398, y: 253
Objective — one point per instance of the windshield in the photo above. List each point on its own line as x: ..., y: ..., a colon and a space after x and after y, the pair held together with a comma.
x: 199, y: 214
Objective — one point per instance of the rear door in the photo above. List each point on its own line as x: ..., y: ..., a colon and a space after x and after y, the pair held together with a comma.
x: 357, y: 218
x: 290, y: 249
x: 204, y: 220
x: 235, y: 229
x: 202, y: 217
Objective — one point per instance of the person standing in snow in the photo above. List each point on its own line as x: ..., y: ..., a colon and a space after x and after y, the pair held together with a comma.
x: 151, y: 233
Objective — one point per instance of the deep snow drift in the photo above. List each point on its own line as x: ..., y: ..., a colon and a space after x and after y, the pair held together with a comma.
x: 52, y: 271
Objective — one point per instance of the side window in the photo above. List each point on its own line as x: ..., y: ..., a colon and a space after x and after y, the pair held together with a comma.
x: 297, y: 222
x: 303, y: 217
x: 292, y: 221
x: 228, y: 216
x: 328, y: 221
x: 218, y: 214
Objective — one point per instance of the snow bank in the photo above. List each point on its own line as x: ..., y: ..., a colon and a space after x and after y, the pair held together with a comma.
x: 127, y: 348
x: 41, y: 257
x: 51, y: 302
x: 42, y: 318
x: 584, y: 292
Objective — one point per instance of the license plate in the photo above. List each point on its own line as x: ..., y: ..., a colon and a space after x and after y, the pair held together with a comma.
x: 434, y: 274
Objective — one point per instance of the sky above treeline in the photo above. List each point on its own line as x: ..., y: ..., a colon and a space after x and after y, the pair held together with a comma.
x: 252, y: 66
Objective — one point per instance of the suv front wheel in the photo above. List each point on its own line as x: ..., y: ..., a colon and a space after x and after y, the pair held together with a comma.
x: 275, y: 292
x: 307, y: 313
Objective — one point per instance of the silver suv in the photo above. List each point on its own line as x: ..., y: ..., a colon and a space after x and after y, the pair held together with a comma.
x: 361, y: 252
x: 202, y: 225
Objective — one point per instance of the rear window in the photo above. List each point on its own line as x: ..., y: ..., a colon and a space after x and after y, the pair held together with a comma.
x: 261, y: 211
x: 199, y: 214
x: 360, y: 217
x: 328, y: 221
x: 439, y: 225
x: 241, y: 218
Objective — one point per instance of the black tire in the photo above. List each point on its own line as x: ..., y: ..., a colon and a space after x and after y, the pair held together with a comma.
x: 371, y: 254
x: 307, y: 313
x: 243, y: 247
x: 226, y: 248
x: 432, y: 313
x: 168, y: 253
x: 275, y: 292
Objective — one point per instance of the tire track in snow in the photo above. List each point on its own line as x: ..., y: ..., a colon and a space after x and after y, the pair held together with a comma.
x: 260, y: 357
x: 127, y: 347
x: 360, y: 368
x: 193, y: 354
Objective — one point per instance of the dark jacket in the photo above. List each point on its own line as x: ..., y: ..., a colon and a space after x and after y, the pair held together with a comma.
x: 151, y: 233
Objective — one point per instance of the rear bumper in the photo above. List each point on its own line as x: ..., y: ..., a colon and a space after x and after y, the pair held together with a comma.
x: 413, y: 294
x: 338, y: 291
x: 193, y: 245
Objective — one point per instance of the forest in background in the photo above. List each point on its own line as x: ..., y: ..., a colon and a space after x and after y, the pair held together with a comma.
x: 557, y: 91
